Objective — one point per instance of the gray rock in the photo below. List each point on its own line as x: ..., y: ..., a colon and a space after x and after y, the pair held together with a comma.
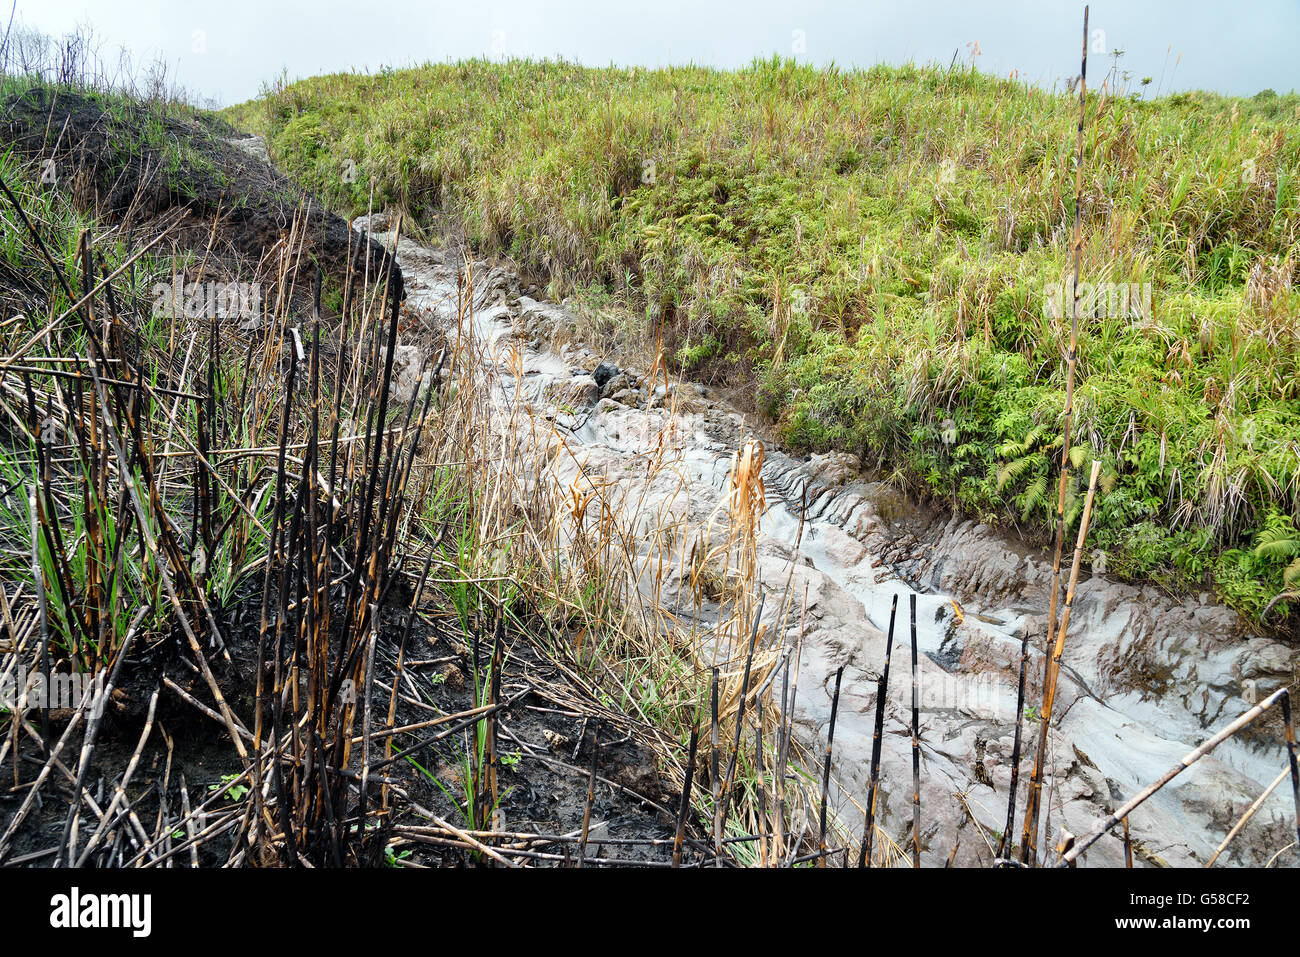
x: 374, y: 223
x: 409, y: 378
x: 604, y: 372
x: 254, y: 146
x: 578, y: 392
x: 836, y: 468
x: 614, y: 385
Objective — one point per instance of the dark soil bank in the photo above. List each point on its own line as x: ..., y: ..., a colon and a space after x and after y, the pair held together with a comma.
x: 139, y: 166
x: 545, y: 747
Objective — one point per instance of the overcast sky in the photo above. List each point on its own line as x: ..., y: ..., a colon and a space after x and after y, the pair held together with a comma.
x: 224, y: 51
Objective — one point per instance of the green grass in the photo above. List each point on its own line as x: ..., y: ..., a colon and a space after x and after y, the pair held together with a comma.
x: 133, y: 127
x: 867, y: 253
x: 29, y: 297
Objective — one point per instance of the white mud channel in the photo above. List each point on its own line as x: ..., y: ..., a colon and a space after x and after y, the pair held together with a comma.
x: 1147, y: 677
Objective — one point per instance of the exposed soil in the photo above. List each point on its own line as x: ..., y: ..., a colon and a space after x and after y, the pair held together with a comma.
x: 546, y: 743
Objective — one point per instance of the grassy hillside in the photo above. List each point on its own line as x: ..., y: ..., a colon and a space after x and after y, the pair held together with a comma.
x: 870, y: 253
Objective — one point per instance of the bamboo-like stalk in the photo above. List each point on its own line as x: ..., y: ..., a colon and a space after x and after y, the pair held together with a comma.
x: 477, y: 715
x: 778, y: 786
x: 729, y: 780
x: 38, y: 578
x: 1293, y: 761
x: 591, y: 793
x: 33, y: 792
x: 69, y: 841
x: 120, y: 795
x: 1241, y: 822
x: 1128, y: 846
x: 366, y: 722
x: 1030, y: 834
x: 491, y: 793
x: 1063, y: 628
x: 714, y: 783
x: 916, y: 745
x: 826, y: 767
x: 1190, y: 758
x: 760, y: 783
x: 189, y: 822
x: 1004, y: 843
x: 789, y: 691
x: 275, y: 698
x: 684, y: 809
x: 882, y: 691
x: 1053, y: 671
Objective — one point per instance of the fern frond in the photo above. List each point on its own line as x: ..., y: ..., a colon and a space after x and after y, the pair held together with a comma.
x: 1035, y: 495
x: 1277, y: 543
x: 1014, y: 470
x: 1291, y: 577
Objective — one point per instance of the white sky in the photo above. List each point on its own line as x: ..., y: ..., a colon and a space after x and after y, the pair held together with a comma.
x: 1226, y: 46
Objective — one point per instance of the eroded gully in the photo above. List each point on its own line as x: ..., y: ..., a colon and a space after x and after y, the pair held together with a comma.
x: 1147, y: 677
